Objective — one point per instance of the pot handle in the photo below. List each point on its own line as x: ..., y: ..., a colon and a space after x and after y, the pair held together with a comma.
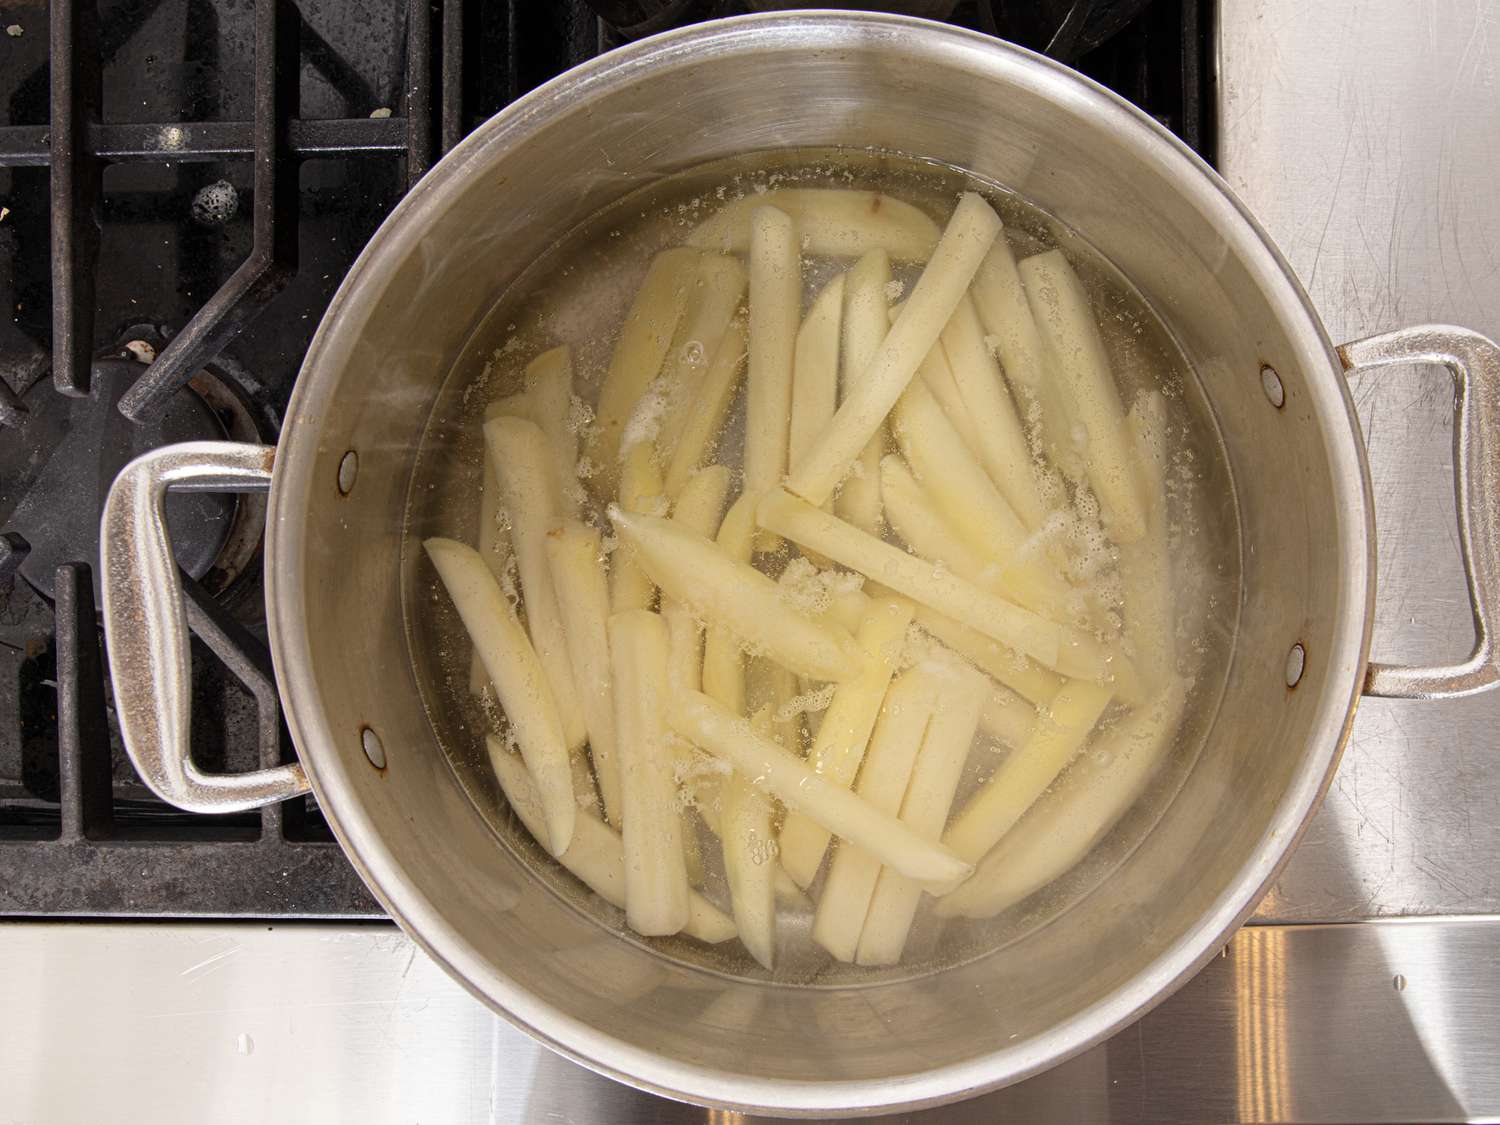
x: 146, y: 631
x: 1474, y: 361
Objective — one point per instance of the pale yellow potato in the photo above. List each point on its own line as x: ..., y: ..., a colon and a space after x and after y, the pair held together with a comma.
x: 775, y: 311
x: 929, y: 584
x: 864, y: 330
x: 888, y: 762
x: 937, y: 375
x: 709, y: 804
x: 927, y: 531
x: 520, y: 682
x: 848, y: 608
x: 1007, y: 717
x: 1005, y: 313
x: 493, y: 544
x: 787, y: 777
x: 815, y: 367
x: 859, y: 417
x: 924, y: 808
x: 722, y: 590
x: 575, y: 556
x: 1060, y: 733
x: 833, y: 222
x: 547, y: 400
x: 723, y: 653
x: 1066, y: 322
x: 999, y: 661
x: 597, y: 854
x: 524, y: 470
x: 1079, y: 811
x: 1002, y: 445
x: 699, y: 428
x: 641, y: 490
x: 711, y: 308
x: 839, y: 747
x: 1146, y: 564
x: 656, y: 879
x: 698, y: 509
x: 969, y: 501
x: 645, y: 336
x: 749, y: 859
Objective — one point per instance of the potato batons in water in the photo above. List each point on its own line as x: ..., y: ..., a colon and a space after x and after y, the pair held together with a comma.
x: 829, y: 569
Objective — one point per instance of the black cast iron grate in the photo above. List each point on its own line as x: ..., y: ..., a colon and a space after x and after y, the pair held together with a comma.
x: 79, y: 835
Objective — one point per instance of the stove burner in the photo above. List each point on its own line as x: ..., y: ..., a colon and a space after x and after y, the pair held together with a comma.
x: 57, y: 466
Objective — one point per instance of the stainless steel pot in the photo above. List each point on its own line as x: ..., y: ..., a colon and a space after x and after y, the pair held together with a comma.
x: 339, y: 482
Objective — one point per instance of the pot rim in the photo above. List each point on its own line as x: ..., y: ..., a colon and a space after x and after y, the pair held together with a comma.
x: 286, y: 586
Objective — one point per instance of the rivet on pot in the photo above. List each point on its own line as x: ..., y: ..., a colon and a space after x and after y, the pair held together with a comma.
x: 1270, y: 382
x: 373, y: 747
x: 1296, y: 661
x: 348, y: 471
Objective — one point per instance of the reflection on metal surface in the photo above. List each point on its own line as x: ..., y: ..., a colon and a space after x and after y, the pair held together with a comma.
x: 353, y: 1023
x: 1259, y: 1030
x: 1365, y: 135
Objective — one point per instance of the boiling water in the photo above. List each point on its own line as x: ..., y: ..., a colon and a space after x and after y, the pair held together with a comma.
x: 577, y: 294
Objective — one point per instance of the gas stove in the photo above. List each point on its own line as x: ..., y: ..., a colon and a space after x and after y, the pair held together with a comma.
x: 208, y: 172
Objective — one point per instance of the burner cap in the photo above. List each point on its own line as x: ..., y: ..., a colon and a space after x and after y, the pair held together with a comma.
x: 57, y: 466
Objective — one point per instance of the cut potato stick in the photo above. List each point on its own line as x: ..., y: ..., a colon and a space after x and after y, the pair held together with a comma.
x: 644, y: 339
x: 1003, y: 309
x: 656, y: 881
x: 597, y: 854
x: 1146, y: 564
x: 698, y: 509
x: 722, y: 590
x: 929, y: 796
x: 1002, y: 446
x: 775, y: 309
x: 1066, y: 323
x: 723, y: 655
x: 547, y: 401
x: 924, y: 582
x: 968, y: 235
x: 1024, y: 776
x: 928, y: 533
x: 575, y: 557
x: 844, y: 733
x: 1007, y: 717
x: 520, y: 682
x: 834, y: 223
x: 494, y: 547
x: 699, y: 427
x: 524, y: 469
x: 1001, y: 662
x: 785, y: 776
x: 963, y: 492
x: 787, y: 892
x: 815, y: 365
x: 716, y: 295
x: 1065, y: 824
x: 750, y: 858
x: 937, y: 375
x: 864, y: 329
x: 640, y: 491
x: 854, y: 872
x: 549, y: 380
x: 772, y: 688
x: 848, y: 608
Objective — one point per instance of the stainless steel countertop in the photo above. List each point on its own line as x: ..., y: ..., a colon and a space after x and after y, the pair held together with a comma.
x: 1364, y: 134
